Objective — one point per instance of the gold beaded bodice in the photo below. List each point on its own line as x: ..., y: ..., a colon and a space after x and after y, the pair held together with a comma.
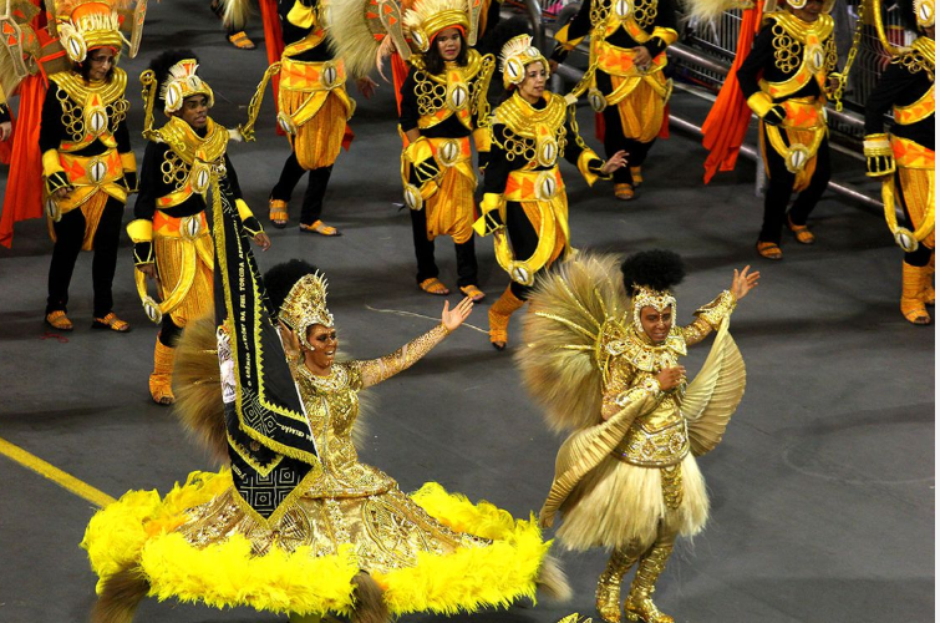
x: 458, y: 91
x: 538, y: 136
x: 803, y: 51
x: 91, y: 111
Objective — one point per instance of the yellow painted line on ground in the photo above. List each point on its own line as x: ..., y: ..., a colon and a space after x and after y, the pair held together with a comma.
x: 53, y: 473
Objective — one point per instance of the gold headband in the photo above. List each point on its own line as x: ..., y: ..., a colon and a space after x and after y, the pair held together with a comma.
x: 515, y: 56
x: 659, y: 300
x: 305, y: 305
x: 182, y: 83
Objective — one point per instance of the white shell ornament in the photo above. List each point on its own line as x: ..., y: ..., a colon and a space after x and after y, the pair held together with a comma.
x: 515, y: 70
x: 597, y: 100
x: 287, y: 124
x: 459, y: 97
x: 797, y: 158
x: 98, y: 121
x: 817, y: 57
x: 200, y: 177
x: 52, y: 210
x: 173, y: 97
x: 546, y: 187
x: 521, y: 275
x: 413, y: 198
x: 548, y: 153
x: 449, y: 152
x: 191, y: 227
x: 905, y: 239
x: 97, y: 170
x: 329, y: 75
x: 623, y: 8
x: 152, y: 309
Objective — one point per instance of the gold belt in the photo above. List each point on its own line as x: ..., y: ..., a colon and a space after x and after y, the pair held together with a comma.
x: 654, y: 449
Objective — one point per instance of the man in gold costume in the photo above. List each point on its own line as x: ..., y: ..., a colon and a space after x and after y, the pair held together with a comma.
x: 602, y: 356
x: 904, y: 159
x: 87, y: 162
x: 172, y: 241
x: 314, y: 108
x: 786, y: 79
x: 524, y: 196
x: 626, y: 85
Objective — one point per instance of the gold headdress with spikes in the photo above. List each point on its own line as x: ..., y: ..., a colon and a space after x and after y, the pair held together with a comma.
x: 182, y: 83
x: 515, y: 56
x: 305, y: 305
x: 84, y: 26
x: 429, y: 17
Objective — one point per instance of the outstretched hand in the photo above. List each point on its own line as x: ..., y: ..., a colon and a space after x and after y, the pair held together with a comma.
x: 453, y: 318
x: 617, y: 161
x: 743, y: 282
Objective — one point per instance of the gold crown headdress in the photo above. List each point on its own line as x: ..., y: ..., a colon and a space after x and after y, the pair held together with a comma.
x: 182, y: 83
x: 660, y: 300
x: 88, y: 25
x: 305, y: 305
x: 515, y: 56
x: 429, y: 17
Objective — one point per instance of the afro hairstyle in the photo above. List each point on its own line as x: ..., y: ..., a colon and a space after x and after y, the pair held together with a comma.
x: 657, y: 269
x: 279, y: 279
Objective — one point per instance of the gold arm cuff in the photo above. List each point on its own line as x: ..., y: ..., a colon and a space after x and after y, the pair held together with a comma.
x: 50, y: 163
x: 301, y: 16
x: 491, y: 201
x: 140, y: 230
x: 583, y: 160
x: 129, y: 162
x: 482, y: 139
x: 244, y: 212
x: 562, y: 38
x: 877, y: 145
x: 668, y: 35
x: 761, y: 103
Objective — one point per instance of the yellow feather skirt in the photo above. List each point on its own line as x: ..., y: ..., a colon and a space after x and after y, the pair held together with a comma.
x: 618, y: 502
x: 192, y: 546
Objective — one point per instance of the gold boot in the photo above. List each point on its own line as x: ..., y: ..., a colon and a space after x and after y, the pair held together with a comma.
x: 161, y: 379
x: 500, y: 311
x: 639, y: 605
x: 912, y: 287
x: 608, y: 585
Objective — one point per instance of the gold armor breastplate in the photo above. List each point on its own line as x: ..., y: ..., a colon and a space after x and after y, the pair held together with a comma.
x: 537, y: 136
x: 807, y: 50
x: 658, y: 439
x: 90, y: 111
x: 459, y: 91
x: 191, y: 160
x: 332, y: 405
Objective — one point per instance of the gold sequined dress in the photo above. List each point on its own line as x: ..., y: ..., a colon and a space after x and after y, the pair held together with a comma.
x: 428, y: 551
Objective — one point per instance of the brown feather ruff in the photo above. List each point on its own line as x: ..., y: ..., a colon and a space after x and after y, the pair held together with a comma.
x: 561, y: 335
x: 370, y: 602
x: 198, y: 387
x: 120, y: 596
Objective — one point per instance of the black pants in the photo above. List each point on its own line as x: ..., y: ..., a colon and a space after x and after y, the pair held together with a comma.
x: 69, y: 232
x: 169, y: 332
x: 316, y: 188
x: 614, y: 141
x: 524, y: 240
x: 780, y: 187
x: 424, y: 252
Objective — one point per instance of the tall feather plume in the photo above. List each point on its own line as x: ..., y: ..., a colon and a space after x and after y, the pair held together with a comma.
x: 704, y: 15
x: 235, y: 13
x: 353, y: 36
x: 561, y: 335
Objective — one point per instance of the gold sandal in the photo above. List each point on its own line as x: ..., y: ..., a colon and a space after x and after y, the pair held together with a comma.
x: 318, y: 227
x: 476, y: 294
x: 59, y: 321
x: 434, y: 286
x: 624, y: 192
x: 769, y: 250
x: 277, y: 213
x: 802, y: 232
x: 241, y: 41
x: 111, y: 321
x: 637, y: 174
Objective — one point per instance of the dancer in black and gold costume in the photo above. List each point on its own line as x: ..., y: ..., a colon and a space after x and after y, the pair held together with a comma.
x: 904, y: 160
x: 626, y: 81
x: 344, y: 539
x: 602, y: 356
x: 786, y: 79
x: 524, y: 195
x: 88, y: 165
x: 314, y: 108
x: 172, y: 241
x: 443, y: 104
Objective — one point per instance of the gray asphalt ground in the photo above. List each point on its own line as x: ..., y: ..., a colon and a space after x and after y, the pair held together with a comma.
x: 822, y: 492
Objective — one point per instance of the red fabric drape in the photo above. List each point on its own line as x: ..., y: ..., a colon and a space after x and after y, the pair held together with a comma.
x: 23, y: 198
x: 726, y: 125
x: 6, y: 147
x: 399, y: 75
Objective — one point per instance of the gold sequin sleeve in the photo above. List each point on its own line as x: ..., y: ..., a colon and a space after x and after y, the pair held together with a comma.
x: 374, y: 371
x: 625, y: 388
x: 709, y: 317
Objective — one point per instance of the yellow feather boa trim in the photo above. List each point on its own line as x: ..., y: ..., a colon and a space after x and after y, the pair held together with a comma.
x: 139, y: 529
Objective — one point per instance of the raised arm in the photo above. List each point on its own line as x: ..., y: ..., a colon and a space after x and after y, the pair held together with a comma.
x: 709, y: 317
x: 374, y: 371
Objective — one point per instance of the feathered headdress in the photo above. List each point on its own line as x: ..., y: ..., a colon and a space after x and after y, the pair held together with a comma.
x: 515, y: 56
x: 176, y: 79
x: 83, y: 25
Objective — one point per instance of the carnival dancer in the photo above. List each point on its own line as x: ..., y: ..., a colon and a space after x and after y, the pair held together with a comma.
x: 443, y: 104
x: 786, y: 79
x: 172, y: 241
x: 904, y: 159
x: 87, y: 163
x: 345, y: 539
x: 602, y: 356
x: 524, y: 195
x: 626, y: 82
x: 314, y: 108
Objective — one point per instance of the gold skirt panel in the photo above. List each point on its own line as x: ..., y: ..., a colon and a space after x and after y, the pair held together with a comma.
x: 170, y: 253
x: 917, y: 188
x: 450, y: 211
x: 534, y: 214
x: 318, y: 141
x: 387, y: 530
x: 619, y: 502
x: 641, y: 112
x: 92, y: 209
x: 805, y: 137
